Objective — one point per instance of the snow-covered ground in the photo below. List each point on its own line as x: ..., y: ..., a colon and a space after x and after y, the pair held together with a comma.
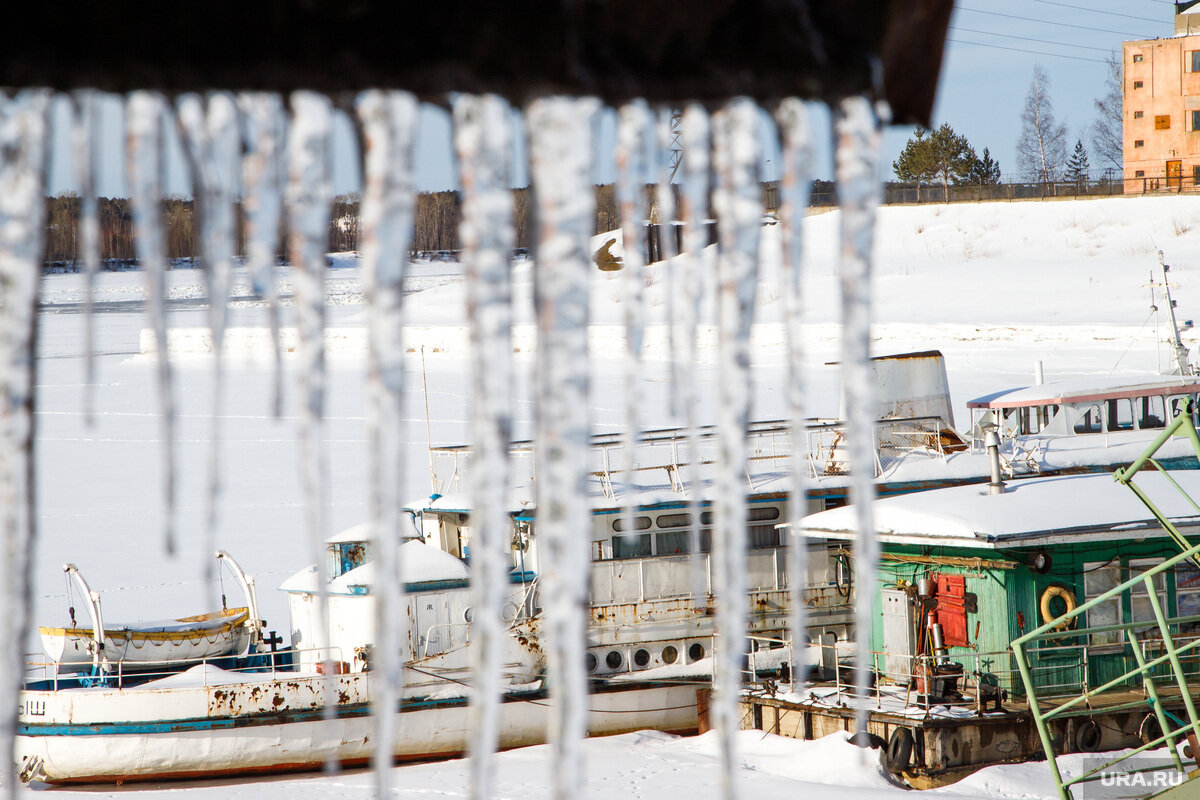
x: 995, y: 287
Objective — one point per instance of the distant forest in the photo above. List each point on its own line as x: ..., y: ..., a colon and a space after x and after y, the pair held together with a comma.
x: 436, y: 227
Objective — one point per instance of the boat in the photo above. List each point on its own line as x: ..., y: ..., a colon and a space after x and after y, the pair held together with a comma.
x: 312, y: 703
x: 157, y: 645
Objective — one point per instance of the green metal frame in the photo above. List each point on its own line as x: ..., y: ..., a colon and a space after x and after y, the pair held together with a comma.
x: 1181, y: 425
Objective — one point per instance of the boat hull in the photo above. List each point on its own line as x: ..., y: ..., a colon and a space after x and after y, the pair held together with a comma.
x: 281, y: 724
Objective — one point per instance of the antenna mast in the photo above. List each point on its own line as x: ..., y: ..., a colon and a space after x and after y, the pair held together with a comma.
x: 1182, y: 363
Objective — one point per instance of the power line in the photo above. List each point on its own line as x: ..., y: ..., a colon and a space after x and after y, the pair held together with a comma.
x: 1028, y: 39
x: 1098, y: 11
x: 1051, y: 22
x: 1033, y: 52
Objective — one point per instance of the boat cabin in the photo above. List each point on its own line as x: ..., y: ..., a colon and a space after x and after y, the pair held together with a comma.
x: 987, y: 568
x: 1092, y: 406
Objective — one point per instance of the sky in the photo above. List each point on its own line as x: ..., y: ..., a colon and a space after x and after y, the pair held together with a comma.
x: 990, y: 55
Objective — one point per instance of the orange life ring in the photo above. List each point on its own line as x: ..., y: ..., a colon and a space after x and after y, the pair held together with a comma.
x: 1068, y: 598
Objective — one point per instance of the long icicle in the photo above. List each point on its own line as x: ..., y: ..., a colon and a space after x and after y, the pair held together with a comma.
x: 634, y: 131
x: 262, y: 178
x: 389, y: 122
x: 212, y: 143
x: 690, y: 277
x: 560, y: 160
x: 309, y: 197
x: 738, y: 204
x: 795, y: 187
x: 145, y: 113
x: 664, y: 200
x: 84, y: 146
x: 483, y: 139
x: 858, y: 131
x: 23, y: 136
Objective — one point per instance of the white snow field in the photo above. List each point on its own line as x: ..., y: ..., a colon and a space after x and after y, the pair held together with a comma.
x: 996, y: 287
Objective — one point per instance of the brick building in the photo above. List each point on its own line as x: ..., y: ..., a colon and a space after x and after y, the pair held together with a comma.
x: 1161, y: 109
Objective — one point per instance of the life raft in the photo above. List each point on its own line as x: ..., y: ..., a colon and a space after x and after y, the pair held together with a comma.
x: 1068, y: 598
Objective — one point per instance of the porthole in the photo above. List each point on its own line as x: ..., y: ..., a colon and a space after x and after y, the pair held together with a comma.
x: 469, y: 616
x: 642, y: 657
x: 696, y: 652
x: 670, y: 654
x: 613, y: 659
x: 592, y: 662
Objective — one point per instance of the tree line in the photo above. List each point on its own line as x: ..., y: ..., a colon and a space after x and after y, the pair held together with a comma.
x: 944, y: 156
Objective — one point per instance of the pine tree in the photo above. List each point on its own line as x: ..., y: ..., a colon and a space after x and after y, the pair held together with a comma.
x: 915, y: 163
x: 1077, y: 164
x: 984, y: 171
x: 952, y: 157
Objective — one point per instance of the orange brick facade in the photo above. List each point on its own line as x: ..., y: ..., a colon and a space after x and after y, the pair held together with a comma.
x: 1161, y: 114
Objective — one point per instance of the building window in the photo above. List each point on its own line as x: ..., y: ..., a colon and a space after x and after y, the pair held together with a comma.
x: 1137, y: 84
x: 1137, y: 58
x: 1196, y: 175
x: 1137, y: 115
x: 1138, y: 143
x: 1139, y: 174
x: 1162, y: 122
x: 1139, y: 595
x: 1196, y: 61
x: 1187, y: 592
x: 1196, y: 120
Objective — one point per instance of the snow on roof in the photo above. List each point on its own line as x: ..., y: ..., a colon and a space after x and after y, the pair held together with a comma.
x: 1030, y: 511
x: 419, y: 563
x: 1083, y: 389
x: 355, y: 533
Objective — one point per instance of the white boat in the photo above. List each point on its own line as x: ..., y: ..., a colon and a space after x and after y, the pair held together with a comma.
x: 150, y: 645
x: 208, y: 721
x: 160, y: 645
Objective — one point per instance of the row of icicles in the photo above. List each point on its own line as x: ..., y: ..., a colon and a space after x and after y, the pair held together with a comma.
x: 276, y: 160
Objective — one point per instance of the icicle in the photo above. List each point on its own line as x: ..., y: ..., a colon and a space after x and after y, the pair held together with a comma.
x: 633, y: 141
x: 858, y: 130
x: 262, y: 205
x: 664, y: 198
x: 738, y: 203
x: 560, y: 162
x: 795, y: 186
x: 212, y: 143
x: 84, y: 147
x: 144, y: 115
x: 309, y: 200
x: 23, y: 134
x: 483, y: 139
x: 689, y: 279
x: 389, y: 123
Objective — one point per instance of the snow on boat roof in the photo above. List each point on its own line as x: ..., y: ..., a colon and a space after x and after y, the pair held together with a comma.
x: 1086, y: 389
x: 1032, y: 511
x: 419, y: 563
x: 361, y: 532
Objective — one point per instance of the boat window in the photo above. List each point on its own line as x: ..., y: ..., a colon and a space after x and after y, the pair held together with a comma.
x: 345, y: 556
x: 766, y: 535
x: 1139, y: 596
x: 1176, y: 404
x: 674, y: 520
x: 706, y: 518
x: 1120, y: 414
x: 639, y: 523
x: 1151, y: 412
x: 631, y: 546
x: 672, y: 544
x: 1098, y: 578
x: 1187, y: 595
x: 1090, y: 421
x: 1044, y: 415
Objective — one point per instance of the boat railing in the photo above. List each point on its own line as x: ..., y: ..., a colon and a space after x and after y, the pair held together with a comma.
x: 450, y: 644
x: 663, y: 457
x: 40, y: 670
x: 630, y: 581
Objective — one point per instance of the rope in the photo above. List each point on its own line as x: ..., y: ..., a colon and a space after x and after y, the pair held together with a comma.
x: 1131, y: 338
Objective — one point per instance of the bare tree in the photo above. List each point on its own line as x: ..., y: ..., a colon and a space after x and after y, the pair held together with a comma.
x: 1042, y: 148
x: 1106, y: 129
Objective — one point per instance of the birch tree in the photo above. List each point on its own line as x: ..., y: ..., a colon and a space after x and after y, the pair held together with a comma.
x: 1042, y: 148
x: 1106, y: 129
